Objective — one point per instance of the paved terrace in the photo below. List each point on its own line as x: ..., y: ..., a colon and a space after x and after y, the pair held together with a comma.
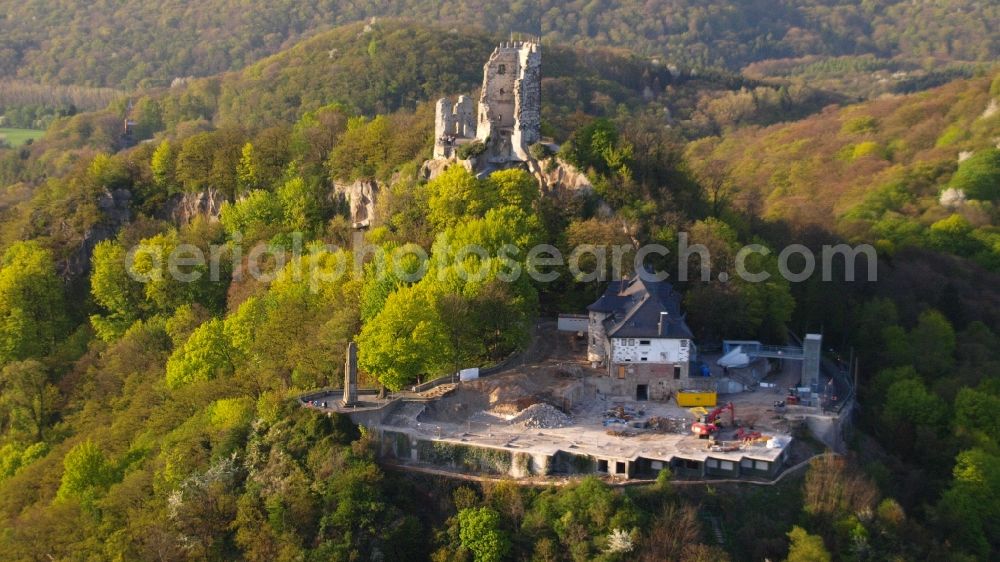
x: 461, y: 413
x: 586, y: 436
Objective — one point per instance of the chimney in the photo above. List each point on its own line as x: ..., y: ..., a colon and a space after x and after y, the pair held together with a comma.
x: 663, y: 321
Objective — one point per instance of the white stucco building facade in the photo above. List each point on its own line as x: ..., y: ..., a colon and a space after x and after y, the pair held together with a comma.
x: 636, y: 330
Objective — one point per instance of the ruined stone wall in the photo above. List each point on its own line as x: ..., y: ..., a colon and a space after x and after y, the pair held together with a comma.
x: 508, y: 119
x: 509, y: 115
x: 453, y: 123
x: 444, y: 122
x: 496, y: 101
x: 597, y: 339
x: 527, y: 129
x: 465, y: 118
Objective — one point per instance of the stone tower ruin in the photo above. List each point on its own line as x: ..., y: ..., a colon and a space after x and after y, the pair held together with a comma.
x: 509, y: 116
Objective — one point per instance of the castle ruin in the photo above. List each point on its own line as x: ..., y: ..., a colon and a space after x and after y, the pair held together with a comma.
x: 509, y: 117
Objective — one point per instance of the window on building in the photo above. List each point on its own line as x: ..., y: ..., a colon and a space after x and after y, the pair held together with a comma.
x: 644, y: 359
x: 677, y: 372
x: 502, y: 69
x: 602, y: 465
x: 685, y: 343
x: 761, y: 465
x: 643, y: 342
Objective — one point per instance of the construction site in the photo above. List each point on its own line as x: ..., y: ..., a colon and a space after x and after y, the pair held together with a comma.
x: 551, y: 413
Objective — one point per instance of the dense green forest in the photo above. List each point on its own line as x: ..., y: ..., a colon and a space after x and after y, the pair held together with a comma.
x: 380, y: 68
x: 125, y: 44
x: 155, y: 420
x: 901, y: 171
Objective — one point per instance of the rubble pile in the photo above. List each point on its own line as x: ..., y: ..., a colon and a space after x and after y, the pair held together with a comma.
x: 669, y: 425
x: 512, y: 409
x: 542, y: 416
x: 621, y: 414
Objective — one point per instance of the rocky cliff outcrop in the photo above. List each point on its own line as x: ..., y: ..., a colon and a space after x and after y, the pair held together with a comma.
x: 435, y: 167
x: 360, y: 196
x: 554, y: 174
x: 184, y: 208
x: 115, y: 210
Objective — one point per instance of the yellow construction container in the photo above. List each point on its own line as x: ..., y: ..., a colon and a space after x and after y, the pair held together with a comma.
x: 691, y: 398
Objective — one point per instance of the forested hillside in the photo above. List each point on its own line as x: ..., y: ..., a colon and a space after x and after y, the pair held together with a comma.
x: 370, y: 69
x: 154, y: 417
x: 125, y: 44
x: 383, y: 67
x: 905, y: 170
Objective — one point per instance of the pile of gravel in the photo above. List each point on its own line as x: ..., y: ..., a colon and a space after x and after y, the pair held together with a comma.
x: 542, y: 416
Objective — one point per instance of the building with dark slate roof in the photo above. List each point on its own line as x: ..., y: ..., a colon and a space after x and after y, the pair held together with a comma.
x: 637, y: 330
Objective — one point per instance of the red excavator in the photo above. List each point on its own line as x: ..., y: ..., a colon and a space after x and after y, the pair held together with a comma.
x: 748, y: 435
x: 710, y: 423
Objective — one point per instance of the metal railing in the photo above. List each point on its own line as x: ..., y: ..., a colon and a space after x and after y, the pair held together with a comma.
x: 777, y: 352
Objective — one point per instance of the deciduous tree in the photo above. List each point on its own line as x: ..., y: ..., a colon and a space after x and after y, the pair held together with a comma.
x: 32, y: 314
x: 481, y: 533
x: 205, y: 355
x: 805, y: 547
x: 28, y: 397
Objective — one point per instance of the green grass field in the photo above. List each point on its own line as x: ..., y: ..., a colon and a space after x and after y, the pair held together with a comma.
x: 17, y: 137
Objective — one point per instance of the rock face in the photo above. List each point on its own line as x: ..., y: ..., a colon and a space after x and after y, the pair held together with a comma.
x: 556, y: 175
x: 114, y: 205
x: 115, y: 212
x: 553, y: 175
x: 434, y: 168
x: 184, y: 208
x: 952, y: 198
x: 360, y: 196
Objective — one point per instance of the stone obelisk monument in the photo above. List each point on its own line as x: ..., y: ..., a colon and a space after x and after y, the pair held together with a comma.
x: 351, y: 376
